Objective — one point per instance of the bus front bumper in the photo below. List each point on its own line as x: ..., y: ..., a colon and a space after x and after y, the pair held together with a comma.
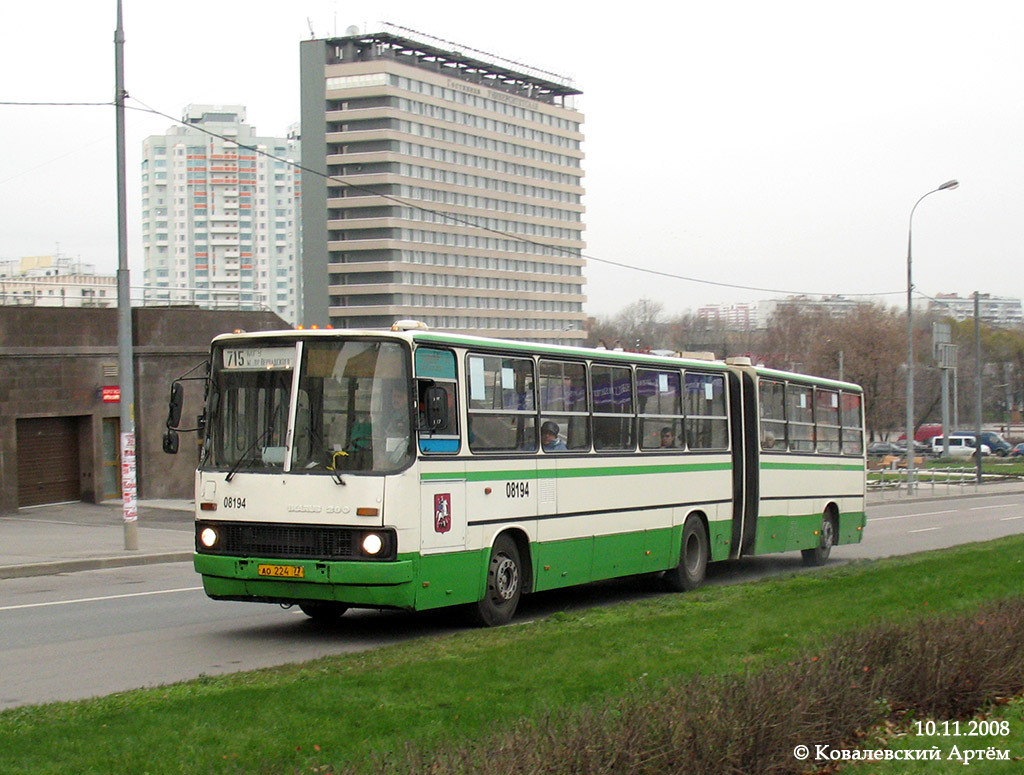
x: 266, y: 580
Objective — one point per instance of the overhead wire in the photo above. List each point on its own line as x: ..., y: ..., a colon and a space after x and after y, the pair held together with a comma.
x: 144, y: 108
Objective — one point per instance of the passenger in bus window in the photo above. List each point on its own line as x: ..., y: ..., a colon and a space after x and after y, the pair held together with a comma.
x: 769, y: 441
x: 550, y: 439
x: 668, y: 437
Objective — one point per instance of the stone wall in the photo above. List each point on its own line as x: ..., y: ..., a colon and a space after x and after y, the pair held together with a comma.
x: 54, y: 362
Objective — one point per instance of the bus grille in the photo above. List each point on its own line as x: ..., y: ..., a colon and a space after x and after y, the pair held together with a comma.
x: 284, y: 541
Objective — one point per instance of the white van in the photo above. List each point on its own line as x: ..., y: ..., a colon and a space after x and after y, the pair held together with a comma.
x: 960, y: 445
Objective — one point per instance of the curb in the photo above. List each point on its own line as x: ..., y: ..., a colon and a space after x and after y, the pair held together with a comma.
x: 95, y: 563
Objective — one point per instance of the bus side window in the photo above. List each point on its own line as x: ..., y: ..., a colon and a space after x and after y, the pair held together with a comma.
x: 800, y: 417
x: 773, y: 415
x: 612, y: 401
x: 852, y: 431
x: 501, y: 404
x: 707, y: 421
x: 562, y: 388
x: 437, y: 415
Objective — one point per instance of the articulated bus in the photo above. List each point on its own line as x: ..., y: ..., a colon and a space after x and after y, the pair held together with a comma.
x: 415, y: 469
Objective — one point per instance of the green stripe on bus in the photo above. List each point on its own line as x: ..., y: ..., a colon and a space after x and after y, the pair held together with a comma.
x: 575, y: 473
x: 810, y: 467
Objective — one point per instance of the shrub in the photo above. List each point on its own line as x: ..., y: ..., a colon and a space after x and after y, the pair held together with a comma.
x: 945, y: 668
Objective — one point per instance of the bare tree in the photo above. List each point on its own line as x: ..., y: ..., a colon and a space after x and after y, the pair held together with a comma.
x: 639, y: 325
x: 868, y: 341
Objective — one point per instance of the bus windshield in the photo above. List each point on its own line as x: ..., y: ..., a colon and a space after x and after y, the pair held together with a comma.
x: 247, y: 412
x: 352, y: 407
x: 353, y: 410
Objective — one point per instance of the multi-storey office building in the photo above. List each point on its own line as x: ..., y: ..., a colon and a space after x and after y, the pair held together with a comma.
x: 443, y: 188
x: 220, y: 214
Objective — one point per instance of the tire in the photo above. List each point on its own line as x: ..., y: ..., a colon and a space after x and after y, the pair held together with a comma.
x: 504, y: 585
x: 819, y: 554
x: 693, y: 558
x: 323, y: 611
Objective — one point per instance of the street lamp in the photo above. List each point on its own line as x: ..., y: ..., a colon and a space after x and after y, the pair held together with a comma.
x: 949, y: 185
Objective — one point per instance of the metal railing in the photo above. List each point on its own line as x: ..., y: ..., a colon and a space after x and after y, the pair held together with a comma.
x: 928, y: 481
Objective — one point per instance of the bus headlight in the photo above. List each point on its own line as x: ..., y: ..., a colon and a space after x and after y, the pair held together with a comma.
x: 208, y: 537
x: 372, y: 544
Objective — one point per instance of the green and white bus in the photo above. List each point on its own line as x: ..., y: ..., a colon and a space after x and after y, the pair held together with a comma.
x: 414, y: 469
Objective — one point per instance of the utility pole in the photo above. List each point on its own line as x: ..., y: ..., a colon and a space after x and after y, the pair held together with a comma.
x: 125, y: 369
x: 977, y: 382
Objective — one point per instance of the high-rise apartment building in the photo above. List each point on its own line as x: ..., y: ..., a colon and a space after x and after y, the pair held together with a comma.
x: 449, y: 190
x: 55, y: 281
x: 999, y: 311
x: 221, y: 219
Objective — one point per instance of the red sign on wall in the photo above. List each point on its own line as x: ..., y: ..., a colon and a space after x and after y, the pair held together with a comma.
x: 110, y: 394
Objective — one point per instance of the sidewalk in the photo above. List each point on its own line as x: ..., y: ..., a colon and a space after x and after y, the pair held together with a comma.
x: 69, y: 537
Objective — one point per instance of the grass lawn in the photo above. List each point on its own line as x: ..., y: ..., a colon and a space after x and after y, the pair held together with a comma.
x: 306, y: 717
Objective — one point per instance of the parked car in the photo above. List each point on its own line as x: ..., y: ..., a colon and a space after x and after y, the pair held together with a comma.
x: 995, y: 442
x: 960, y: 445
x: 1017, y: 451
x: 883, y: 448
x: 920, y: 447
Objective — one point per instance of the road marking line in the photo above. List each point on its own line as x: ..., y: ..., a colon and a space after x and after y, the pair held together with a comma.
x: 923, y: 530
x: 1009, y: 519
x: 98, y: 599
x: 908, y: 516
x: 981, y: 508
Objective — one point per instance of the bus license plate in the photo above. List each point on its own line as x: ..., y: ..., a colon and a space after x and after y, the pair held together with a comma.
x: 281, y: 571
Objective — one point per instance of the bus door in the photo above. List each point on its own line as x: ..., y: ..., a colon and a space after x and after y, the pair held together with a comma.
x: 442, y: 474
x: 745, y: 454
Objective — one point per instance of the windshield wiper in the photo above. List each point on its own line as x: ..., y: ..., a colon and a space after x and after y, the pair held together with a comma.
x: 247, y: 456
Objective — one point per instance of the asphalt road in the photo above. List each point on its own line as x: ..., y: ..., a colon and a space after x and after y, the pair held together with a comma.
x: 93, y: 633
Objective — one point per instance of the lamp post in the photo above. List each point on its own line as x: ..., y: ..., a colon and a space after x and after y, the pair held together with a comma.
x: 949, y: 185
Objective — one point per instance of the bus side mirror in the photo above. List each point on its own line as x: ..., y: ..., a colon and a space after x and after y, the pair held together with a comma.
x: 174, y: 408
x: 171, y: 442
x: 436, y: 399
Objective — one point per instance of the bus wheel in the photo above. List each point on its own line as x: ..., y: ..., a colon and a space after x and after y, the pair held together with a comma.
x: 819, y: 554
x: 693, y: 558
x: 504, y: 585
x: 323, y: 611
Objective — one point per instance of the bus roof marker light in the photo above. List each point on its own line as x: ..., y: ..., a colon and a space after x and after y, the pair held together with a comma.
x: 409, y: 325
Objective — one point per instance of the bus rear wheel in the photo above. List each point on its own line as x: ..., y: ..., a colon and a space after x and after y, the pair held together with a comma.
x: 504, y: 585
x: 323, y: 611
x: 819, y: 554
x: 693, y: 558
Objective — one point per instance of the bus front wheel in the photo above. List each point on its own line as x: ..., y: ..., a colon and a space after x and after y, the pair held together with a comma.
x: 504, y: 585
x: 819, y: 554
x: 693, y: 558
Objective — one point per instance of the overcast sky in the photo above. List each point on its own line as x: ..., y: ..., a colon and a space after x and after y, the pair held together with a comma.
x: 774, y: 145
